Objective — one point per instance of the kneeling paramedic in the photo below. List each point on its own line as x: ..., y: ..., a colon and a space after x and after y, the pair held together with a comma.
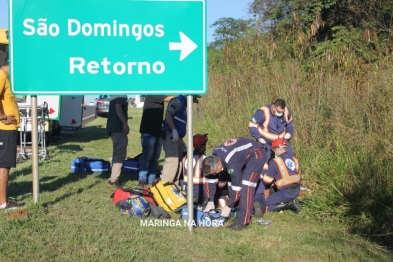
x: 243, y: 159
x: 199, y: 144
x: 216, y: 190
x: 283, y: 173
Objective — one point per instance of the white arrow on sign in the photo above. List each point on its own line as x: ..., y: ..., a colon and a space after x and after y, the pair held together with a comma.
x: 186, y: 46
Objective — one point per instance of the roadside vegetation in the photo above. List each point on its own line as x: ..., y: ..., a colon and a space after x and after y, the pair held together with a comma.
x: 332, y: 62
x: 75, y: 219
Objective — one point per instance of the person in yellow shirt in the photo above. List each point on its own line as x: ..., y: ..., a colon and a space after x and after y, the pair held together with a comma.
x: 9, y: 123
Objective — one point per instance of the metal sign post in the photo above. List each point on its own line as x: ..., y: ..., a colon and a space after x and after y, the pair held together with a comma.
x: 34, y: 149
x: 190, y: 168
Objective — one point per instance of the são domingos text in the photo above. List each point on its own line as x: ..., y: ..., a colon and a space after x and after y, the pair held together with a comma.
x: 78, y: 65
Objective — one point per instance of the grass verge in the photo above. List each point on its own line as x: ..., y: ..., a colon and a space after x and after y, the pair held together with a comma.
x: 75, y: 220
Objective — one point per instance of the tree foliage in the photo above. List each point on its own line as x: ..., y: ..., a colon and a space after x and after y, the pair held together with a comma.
x: 227, y: 29
x: 320, y: 16
x: 332, y: 59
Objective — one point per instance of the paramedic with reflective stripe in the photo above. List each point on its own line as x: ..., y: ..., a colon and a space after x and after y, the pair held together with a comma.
x: 198, y: 179
x: 175, y: 124
x: 283, y: 172
x: 243, y: 159
x: 271, y: 122
x: 216, y: 190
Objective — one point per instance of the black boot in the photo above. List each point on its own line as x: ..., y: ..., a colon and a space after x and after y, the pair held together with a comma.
x: 294, y: 205
x: 258, y: 212
x: 236, y: 227
x: 279, y: 207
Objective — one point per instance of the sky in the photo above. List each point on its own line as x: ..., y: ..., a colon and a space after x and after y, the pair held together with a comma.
x: 216, y: 9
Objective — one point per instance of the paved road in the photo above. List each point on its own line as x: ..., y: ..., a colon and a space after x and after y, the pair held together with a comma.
x: 89, y: 114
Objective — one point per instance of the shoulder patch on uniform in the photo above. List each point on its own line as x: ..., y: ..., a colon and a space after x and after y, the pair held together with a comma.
x: 231, y: 171
x: 230, y: 142
x: 173, y: 106
x: 290, y: 164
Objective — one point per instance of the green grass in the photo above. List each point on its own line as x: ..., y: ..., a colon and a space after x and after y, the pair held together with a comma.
x: 75, y: 220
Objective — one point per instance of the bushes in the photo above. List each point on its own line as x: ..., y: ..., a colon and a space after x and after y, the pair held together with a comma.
x: 343, y: 127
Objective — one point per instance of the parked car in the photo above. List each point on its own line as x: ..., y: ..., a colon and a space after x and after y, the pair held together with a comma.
x: 102, y: 105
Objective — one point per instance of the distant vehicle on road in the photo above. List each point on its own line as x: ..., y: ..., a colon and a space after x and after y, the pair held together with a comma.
x: 102, y: 105
x: 91, y: 104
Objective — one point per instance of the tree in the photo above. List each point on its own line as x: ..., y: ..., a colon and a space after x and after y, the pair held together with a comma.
x: 270, y: 14
x: 320, y: 16
x: 228, y: 29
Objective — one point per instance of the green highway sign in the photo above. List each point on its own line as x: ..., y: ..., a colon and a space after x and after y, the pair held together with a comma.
x: 71, y: 47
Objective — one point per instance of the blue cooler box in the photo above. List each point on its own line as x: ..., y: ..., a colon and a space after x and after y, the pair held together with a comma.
x: 90, y: 165
x: 77, y: 166
x: 130, y: 165
x: 204, y: 219
x: 94, y: 165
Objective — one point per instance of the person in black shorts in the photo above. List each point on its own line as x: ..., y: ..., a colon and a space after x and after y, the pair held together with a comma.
x: 9, y: 123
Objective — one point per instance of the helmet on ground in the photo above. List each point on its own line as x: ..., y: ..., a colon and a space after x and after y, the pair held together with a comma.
x: 136, y: 206
x: 279, y: 142
x: 199, y: 140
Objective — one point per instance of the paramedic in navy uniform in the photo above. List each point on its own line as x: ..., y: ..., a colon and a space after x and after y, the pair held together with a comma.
x: 243, y: 159
x: 271, y: 122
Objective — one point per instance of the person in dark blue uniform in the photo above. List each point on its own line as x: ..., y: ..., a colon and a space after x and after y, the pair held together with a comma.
x: 199, y: 144
x: 283, y: 174
x: 216, y: 190
x: 271, y: 122
x: 243, y: 159
x: 175, y: 125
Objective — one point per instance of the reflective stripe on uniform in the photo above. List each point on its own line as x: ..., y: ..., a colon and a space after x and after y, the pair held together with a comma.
x: 195, y: 180
x: 253, y: 124
x: 249, y: 183
x: 286, y: 114
x: 263, y: 128
x: 180, y: 120
x: 236, y: 188
x: 211, y: 181
x: 290, y: 180
x: 237, y: 149
x: 286, y: 178
x: 268, y: 179
x: 271, y: 136
x: 221, y: 184
x: 198, y: 177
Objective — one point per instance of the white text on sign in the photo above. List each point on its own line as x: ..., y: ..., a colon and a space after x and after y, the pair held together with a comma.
x: 75, y: 27
x: 78, y: 64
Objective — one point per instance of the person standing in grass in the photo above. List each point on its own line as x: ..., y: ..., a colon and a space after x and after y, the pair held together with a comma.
x: 271, y: 122
x: 243, y: 159
x: 9, y: 123
x: 117, y: 127
x: 150, y: 129
x: 283, y: 172
x: 175, y: 125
